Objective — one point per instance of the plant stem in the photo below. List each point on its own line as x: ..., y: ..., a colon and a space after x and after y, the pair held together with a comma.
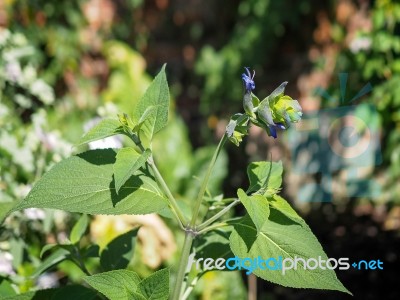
x: 172, y: 202
x: 187, y: 245
x: 212, y: 227
x: 203, y: 187
x: 190, y: 288
x: 190, y: 230
x: 218, y: 215
x: 79, y: 262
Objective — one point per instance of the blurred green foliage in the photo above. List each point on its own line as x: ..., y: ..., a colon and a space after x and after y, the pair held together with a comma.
x: 373, y: 56
x: 252, y: 42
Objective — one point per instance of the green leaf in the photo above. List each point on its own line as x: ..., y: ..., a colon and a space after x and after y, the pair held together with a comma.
x: 156, y: 98
x: 257, y: 207
x: 91, y: 251
x: 68, y: 247
x: 237, y: 128
x: 84, y: 183
x: 268, y: 174
x: 115, y: 285
x: 278, y: 91
x: 53, y: 259
x: 128, y: 161
x: 214, y: 244
x: 286, y: 110
x: 76, y: 292
x: 79, y: 229
x: 5, y: 288
x: 281, y: 237
x: 5, y: 208
x: 156, y: 286
x: 119, y: 252
x: 105, y: 128
x: 47, y: 248
x: 284, y: 207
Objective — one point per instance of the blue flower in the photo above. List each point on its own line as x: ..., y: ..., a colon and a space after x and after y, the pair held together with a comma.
x: 272, y: 129
x: 248, y: 81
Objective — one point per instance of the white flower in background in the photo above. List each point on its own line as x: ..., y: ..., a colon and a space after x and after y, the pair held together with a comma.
x: 23, y: 101
x: 4, y: 36
x: 34, y: 213
x: 359, y: 44
x: 43, y: 91
x: 109, y: 109
x: 13, y: 71
x: 29, y: 75
x: 4, y: 111
x: 110, y: 142
x: 22, y: 190
x: 18, y: 39
x: 62, y: 237
x: 52, y: 141
x: 47, y: 281
x: 60, y: 217
x: 6, y: 263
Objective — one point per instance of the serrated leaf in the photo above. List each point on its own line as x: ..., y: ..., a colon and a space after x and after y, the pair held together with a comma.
x: 256, y: 206
x: 105, y: 128
x: 115, y: 285
x: 156, y: 286
x: 79, y: 229
x: 84, y: 183
x: 119, y: 252
x: 282, y: 237
x: 265, y: 173
x: 127, y: 162
x: 157, y: 96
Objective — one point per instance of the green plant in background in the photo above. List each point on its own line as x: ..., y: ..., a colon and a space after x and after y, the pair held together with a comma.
x: 128, y: 181
x: 372, y: 55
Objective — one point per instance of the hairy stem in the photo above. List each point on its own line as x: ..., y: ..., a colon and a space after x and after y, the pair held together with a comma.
x: 203, y: 187
x: 187, y: 245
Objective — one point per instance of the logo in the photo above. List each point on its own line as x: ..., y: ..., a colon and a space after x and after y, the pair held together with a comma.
x: 279, y: 264
x: 344, y: 141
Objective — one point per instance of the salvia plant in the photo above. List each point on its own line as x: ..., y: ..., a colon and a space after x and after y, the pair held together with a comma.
x: 127, y: 181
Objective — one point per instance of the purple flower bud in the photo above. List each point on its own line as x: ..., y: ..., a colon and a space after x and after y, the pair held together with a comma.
x: 248, y: 81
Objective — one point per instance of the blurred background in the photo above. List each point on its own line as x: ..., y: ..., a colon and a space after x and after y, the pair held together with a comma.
x: 65, y: 64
